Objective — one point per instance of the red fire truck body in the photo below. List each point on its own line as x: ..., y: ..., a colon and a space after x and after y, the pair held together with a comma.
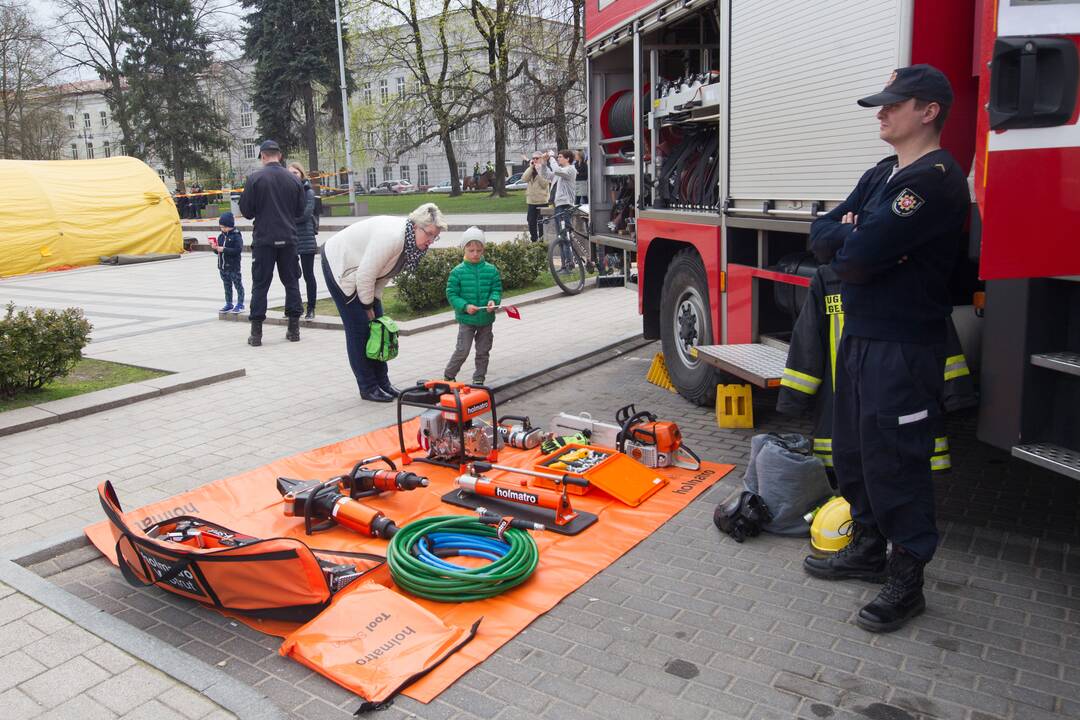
x: 727, y: 126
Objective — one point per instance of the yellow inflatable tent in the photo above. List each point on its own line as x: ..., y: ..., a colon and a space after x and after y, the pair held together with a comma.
x: 58, y: 213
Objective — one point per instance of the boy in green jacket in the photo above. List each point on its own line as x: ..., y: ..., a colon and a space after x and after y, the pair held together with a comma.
x: 474, y: 290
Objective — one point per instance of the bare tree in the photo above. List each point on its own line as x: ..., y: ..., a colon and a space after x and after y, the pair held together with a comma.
x: 26, y: 72
x: 91, y: 39
x: 553, y: 66
x: 497, y: 24
x: 430, y: 48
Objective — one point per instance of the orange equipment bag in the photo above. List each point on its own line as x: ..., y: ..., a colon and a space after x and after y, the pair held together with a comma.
x: 279, y: 578
x: 375, y: 642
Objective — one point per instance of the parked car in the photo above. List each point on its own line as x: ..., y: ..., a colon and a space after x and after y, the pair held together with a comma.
x: 394, y: 187
x: 442, y: 187
x: 514, y: 182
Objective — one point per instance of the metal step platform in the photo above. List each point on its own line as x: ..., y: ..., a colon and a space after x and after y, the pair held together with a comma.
x: 1052, y: 457
x: 1066, y: 362
x: 756, y: 363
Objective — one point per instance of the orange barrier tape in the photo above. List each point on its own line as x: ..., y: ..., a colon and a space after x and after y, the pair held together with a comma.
x: 241, y: 189
x: 250, y: 503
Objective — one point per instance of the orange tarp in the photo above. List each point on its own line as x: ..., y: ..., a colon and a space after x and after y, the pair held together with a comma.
x: 250, y: 503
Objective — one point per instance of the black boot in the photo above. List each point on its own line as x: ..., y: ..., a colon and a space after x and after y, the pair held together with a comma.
x: 310, y: 314
x: 255, y: 338
x: 861, y: 559
x: 293, y: 333
x: 900, y: 600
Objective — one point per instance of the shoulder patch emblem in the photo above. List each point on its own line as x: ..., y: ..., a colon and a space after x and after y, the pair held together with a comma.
x: 940, y: 166
x: 906, y: 203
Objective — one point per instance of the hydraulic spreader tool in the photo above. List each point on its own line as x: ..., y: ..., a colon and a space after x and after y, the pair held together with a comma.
x: 507, y: 497
x: 337, y: 500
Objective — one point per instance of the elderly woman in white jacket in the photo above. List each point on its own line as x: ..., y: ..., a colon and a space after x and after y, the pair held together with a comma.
x: 358, y: 262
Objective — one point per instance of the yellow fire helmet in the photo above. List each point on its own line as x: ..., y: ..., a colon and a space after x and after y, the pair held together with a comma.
x: 831, y: 527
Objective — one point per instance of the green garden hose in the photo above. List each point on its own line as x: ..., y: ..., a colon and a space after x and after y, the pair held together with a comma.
x: 416, y: 553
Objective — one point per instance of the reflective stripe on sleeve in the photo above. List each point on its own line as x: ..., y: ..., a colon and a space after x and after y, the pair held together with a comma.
x: 941, y: 462
x: 825, y: 458
x: 800, y: 381
x: 955, y: 366
x: 941, y: 445
x: 823, y: 444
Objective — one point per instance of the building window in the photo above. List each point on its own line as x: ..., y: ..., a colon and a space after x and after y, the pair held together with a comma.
x: 86, y: 120
x: 384, y: 92
x: 461, y: 170
x: 249, y: 149
x: 161, y: 174
x: 419, y: 88
x: 401, y: 87
x: 74, y: 151
x: 371, y: 138
x: 71, y: 121
x: 245, y: 114
x: 108, y: 151
x: 89, y: 151
x: 367, y: 93
x: 421, y: 174
x: 104, y: 118
x: 405, y: 173
x: 462, y: 133
x: 372, y: 178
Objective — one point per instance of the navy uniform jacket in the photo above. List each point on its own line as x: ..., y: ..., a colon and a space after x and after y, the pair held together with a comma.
x: 275, y: 200
x: 918, y: 214
x: 810, y: 371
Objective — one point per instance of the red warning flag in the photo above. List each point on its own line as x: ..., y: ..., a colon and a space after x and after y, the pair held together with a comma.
x: 512, y: 312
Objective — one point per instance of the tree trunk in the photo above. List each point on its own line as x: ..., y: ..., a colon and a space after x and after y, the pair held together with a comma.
x: 562, y: 134
x: 310, y: 140
x: 451, y: 161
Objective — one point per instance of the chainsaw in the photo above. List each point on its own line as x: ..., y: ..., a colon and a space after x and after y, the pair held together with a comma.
x: 652, y: 442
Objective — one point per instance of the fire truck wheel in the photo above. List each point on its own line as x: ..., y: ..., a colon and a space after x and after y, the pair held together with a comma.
x: 685, y: 323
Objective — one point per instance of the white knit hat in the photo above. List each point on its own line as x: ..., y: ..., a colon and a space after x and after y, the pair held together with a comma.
x: 473, y: 234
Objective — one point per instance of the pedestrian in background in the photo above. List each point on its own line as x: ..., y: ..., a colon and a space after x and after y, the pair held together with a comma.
x: 306, y: 247
x: 474, y: 290
x: 357, y: 263
x: 536, y: 192
x: 581, y: 185
x: 274, y: 199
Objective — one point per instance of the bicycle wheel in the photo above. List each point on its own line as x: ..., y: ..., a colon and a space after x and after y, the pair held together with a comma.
x: 567, y: 267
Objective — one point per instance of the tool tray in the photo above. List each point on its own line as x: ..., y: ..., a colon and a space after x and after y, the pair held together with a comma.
x: 618, y: 475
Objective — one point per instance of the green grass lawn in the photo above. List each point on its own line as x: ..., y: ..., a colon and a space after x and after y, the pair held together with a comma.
x: 397, y: 309
x: 87, y: 376
x: 471, y: 202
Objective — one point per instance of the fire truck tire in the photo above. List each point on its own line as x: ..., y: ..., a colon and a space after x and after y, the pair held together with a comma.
x: 685, y: 323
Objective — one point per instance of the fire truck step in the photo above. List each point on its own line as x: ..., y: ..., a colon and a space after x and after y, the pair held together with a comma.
x: 756, y: 363
x: 1066, y: 362
x: 1050, y: 456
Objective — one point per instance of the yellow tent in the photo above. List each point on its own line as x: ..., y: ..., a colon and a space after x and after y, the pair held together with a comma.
x: 58, y: 213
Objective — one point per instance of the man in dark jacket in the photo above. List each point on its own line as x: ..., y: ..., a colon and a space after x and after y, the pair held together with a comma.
x: 274, y: 199
x: 893, y: 243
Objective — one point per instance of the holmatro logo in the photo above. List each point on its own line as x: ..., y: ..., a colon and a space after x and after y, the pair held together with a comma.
x: 516, y: 495
x: 477, y: 407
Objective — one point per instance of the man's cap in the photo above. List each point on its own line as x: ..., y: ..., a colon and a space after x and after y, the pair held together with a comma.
x: 473, y: 234
x: 269, y: 146
x: 227, y: 219
x: 924, y: 82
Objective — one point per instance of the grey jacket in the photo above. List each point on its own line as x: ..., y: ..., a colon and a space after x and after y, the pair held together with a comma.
x: 563, y: 177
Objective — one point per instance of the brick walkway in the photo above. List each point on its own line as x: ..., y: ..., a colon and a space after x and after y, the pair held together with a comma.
x: 690, y: 624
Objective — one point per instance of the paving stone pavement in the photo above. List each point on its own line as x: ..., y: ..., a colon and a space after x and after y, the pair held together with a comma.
x: 690, y: 624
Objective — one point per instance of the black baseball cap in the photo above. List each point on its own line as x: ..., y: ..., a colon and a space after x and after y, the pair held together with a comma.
x: 924, y: 82
x: 269, y: 146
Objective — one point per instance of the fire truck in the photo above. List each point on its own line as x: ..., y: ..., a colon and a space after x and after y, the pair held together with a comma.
x: 720, y: 129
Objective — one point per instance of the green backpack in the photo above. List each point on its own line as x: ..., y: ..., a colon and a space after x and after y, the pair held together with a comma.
x: 382, y: 342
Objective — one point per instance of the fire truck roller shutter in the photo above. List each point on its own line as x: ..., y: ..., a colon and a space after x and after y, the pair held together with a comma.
x: 685, y: 323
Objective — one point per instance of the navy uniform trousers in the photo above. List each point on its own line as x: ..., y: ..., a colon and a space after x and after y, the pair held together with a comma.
x: 888, y: 395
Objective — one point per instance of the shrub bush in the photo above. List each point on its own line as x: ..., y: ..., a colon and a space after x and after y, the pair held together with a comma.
x: 38, y: 346
x: 519, y: 263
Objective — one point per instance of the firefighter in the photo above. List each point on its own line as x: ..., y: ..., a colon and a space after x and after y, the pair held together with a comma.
x: 893, y: 243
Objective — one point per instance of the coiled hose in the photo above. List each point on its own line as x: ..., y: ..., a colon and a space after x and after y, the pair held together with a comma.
x: 416, y: 551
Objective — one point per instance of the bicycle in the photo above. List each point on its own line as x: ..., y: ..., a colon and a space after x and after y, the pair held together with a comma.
x: 568, y: 255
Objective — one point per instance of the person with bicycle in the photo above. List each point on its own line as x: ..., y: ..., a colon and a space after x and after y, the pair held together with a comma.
x: 558, y: 168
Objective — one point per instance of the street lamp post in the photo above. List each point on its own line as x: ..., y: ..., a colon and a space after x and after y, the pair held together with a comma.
x: 346, y: 120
